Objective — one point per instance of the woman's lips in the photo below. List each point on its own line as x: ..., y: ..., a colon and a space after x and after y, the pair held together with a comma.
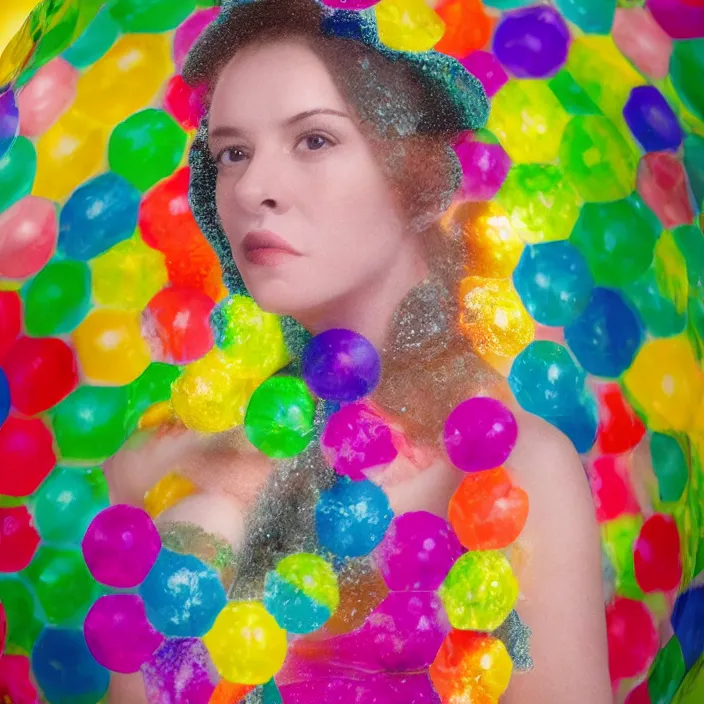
x: 266, y: 248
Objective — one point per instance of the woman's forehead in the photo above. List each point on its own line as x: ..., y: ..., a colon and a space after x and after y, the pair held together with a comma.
x: 279, y: 79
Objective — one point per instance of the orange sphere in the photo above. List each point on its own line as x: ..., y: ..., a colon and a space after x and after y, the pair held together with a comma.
x: 467, y: 27
x: 488, y: 512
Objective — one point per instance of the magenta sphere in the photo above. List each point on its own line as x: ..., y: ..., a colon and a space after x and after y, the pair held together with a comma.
x: 486, y: 67
x: 484, y: 168
x: 355, y: 438
x: 121, y: 546
x: 417, y: 552
x: 118, y: 634
x: 186, y: 35
x: 480, y: 434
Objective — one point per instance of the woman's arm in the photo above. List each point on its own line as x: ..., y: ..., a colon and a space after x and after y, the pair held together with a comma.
x: 559, y: 574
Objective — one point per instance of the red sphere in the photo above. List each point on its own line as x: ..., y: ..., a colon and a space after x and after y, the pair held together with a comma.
x: 658, y: 566
x: 10, y: 320
x: 639, y: 695
x: 165, y: 218
x: 41, y: 372
x: 611, y: 488
x: 27, y: 455
x: 18, y: 539
x: 183, y: 103
x: 176, y: 324
x: 633, y: 640
x: 620, y: 429
x: 662, y: 183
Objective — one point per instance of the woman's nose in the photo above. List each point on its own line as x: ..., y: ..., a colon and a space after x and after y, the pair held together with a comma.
x: 260, y: 187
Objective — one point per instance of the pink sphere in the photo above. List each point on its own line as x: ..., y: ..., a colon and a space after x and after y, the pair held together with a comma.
x: 183, y: 103
x: 28, y: 233
x: 121, y: 546
x: 681, y: 20
x: 480, y: 434
x: 484, y: 168
x: 46, y: 97
x: 486, y: 67
x: 417, y: 552
x: 118, y: 634
x: 633, y: 639
x: 186, y: 35
x: 355, y: 439
x: 642, y: 40
x: 662, y: 183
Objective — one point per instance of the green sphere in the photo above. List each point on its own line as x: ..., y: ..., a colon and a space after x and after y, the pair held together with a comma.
x: 146, y: 148
x: 280, y: 415
x: 95, y: 41
x: 23, y: 626
x: 17, y: 170
x: 598, y: 161
x: 152, y: 386
x: 90, y: 423
x: 67, y: 502
x: 686, y: 63
x: 63, y: 585
x: 657, y: 311
x: 57, y: 298
x: 151, y: 16
x: 670, y: 466
x: 617, y: 239
x: 690, y: 242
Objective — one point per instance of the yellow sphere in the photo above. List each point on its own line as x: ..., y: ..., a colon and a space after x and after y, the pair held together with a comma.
x: 167, y: 492
x: 528, y: 120
x: 251, y: 340
x: 210, y: 396
x: 666, y: 384
x: 246, y: 644
x: 128, y: 275
x: 110, y: 346
x: 70, y: 152
x: 493, y: 247
x: 408, y: 25
x: 126, y: 79
x: 493, y: 317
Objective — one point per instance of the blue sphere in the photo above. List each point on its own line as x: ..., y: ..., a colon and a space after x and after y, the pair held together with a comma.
x: 352, y: 518
x: 581, y: 424
x: 652, y: 121
x: 687, y: 619
x: 606, y: 337
x: 182, y: 596
x: 4, y: 397
x: 97, y: 216
x: 554, y: 282
x: 545, y: 380
x: 65, y: 670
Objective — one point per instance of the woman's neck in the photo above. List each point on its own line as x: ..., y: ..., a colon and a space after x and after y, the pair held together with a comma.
x: 369, y: 309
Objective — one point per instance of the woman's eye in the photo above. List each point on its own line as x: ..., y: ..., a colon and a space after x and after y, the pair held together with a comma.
x: 230, y: 156
x: 315, y: 142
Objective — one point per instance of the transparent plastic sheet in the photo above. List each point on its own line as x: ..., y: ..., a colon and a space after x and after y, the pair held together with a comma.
x: 565, y: 278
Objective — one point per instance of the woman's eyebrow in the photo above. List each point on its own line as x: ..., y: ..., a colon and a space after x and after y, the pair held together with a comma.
x: 225, y: 131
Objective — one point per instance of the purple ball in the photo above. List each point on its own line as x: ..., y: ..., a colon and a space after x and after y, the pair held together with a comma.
x: 532, y: 42
x: 485, y: 67
x: 484, y: 169
x: 341, y: 365
x: 355, y: 439
x: 118, y: 634
x: 417, y: 552
x: 480, y: 434
x: 121, y: 546
x: 9, y: 121
x: 652, y: 121
x: 403, y: 634
x: 180, y: 671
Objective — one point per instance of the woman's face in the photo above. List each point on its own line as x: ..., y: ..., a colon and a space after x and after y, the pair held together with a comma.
x: 310, y: 216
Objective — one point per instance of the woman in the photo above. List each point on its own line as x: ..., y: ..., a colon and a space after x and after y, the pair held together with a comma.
x: 320, y: 178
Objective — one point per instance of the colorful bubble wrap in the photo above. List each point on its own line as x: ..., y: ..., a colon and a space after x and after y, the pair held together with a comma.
x: 582, y: 208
